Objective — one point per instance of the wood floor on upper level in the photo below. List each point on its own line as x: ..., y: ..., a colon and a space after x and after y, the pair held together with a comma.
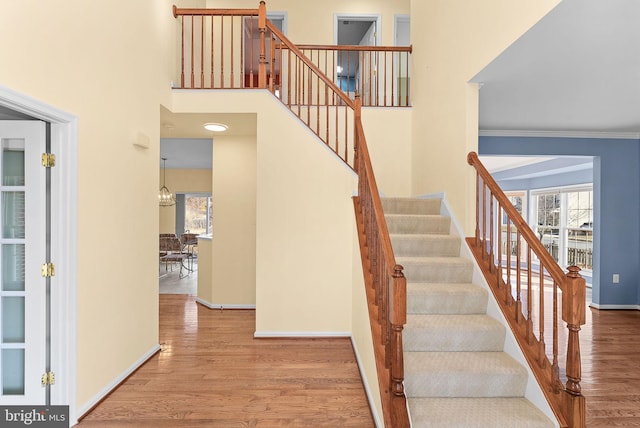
x: 211, y: 372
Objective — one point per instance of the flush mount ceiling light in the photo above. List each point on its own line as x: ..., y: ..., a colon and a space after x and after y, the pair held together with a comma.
x: 215, y: 127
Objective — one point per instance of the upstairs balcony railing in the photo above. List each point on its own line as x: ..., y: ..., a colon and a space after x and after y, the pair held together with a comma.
x: 221, y: 49
x: 535, y: 296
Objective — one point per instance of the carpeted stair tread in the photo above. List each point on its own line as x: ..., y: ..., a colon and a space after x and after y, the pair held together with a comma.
x: 436, y: 269
x: 463, y: 374
x: 476, y: 413
x: 411, y: 206
x: 418, y: 223
x: 425, y: 245
x: 446, y: 298
x: 458, y: 333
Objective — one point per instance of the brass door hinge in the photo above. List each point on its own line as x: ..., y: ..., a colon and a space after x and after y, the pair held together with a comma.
x: 49, y: 378
x: 48, y: 160
x: 48, y: 269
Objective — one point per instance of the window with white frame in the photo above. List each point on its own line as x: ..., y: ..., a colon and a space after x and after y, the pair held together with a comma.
x: 519, y: 201
x: 563, y: 220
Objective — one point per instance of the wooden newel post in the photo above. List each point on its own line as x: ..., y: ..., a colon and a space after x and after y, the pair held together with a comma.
x: 398, y: 320
x: 573, y: 313
x: 262, y: 28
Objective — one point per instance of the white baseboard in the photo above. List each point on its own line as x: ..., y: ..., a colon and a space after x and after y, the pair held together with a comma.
x: 618, y: 307
x: 301, y: 334
x: 367, y: 389
x: 117, y: 381
x: 223, y: 305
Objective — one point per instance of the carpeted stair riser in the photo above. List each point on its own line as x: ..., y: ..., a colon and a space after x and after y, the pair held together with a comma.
x: 435, y: 298
x: 436, y: 269
x: 418, y: 224
x: 463, y: 374
x: 457, y: 333
x: 425, y: 245
x: 410, y: 206
x: 476, y: 413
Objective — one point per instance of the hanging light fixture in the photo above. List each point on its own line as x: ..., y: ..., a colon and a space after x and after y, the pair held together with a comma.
x: 165, y: 197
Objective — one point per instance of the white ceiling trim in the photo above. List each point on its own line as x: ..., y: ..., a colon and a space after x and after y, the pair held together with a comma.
x: 560, y: 134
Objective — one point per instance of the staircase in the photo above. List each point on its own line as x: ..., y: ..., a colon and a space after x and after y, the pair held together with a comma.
x: 456, y: 373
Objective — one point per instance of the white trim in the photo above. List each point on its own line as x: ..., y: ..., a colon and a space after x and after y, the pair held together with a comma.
x: 222, y: 306
x: 64, y: 246
x: 301, y: 334
x: 284, y: 16
x: 377, y: 18
x: 615, y: 307
x: 118, y: 380
x: 560, y: 134
x: 367, y: 389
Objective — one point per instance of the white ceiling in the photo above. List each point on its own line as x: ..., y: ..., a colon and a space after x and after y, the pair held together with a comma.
x: 187, y: 145
x: 577, y: 69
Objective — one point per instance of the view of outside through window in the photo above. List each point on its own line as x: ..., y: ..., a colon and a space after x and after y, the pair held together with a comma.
x: 198, y: 214
x: 565, y: 226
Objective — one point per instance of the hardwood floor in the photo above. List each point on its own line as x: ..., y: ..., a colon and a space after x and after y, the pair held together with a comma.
x: 610, y: 345
x: 211, y: 372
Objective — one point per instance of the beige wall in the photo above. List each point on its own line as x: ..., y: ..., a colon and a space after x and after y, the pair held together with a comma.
x: 233, y: 257
x: 109, y: 66
x: 182, y: 181
x: 388, y: 134
x: 452, y: 41
x: 313, y: 21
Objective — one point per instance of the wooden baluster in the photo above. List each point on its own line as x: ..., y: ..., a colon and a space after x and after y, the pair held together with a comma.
x: 555, y: 367
x: 484, y: 221
x: 251, y: 53
x: 491, y: 235
x: 262, y: 66
x: 509, y: 251
x: 272, y: 42
x: 518, y: 269
x: 529, y: 310
x: 477, y: 231
x: 232, y: 54
x: 406, y: 84
x: 212, y: 80
x: 499, y: 245
x: 346, y: 136
x: 395, y: 59
x: 182, y: 52
x: 573, y: 313
x: 192, y: 53
x: 222, y: 52
x: 202, y: 18
x: 542, y: 353
x: 289, y: 78
x: 309, y: 96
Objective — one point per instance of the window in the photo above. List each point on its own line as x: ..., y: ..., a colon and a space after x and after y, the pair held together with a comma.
x: 197, y: 214
x: 564, y: 224
x: 519, y: 201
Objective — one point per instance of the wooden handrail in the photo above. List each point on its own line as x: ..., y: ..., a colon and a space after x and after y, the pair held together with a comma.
x: 531, y: 238
x: 293, y: 48
x: 408, y: 49
x: 386, y: 286
x: 492, y: 205
x: 213, y: 12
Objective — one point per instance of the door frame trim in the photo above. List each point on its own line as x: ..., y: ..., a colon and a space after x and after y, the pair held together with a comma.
x: 64, y: 242
x: 376, y: 17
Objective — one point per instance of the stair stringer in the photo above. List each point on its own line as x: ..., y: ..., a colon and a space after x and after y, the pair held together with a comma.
x: 533, y: 392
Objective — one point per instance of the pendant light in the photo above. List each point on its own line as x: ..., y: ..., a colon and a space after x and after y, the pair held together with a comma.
x: 165, y: 197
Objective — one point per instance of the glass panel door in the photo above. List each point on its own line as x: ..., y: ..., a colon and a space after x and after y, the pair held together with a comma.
x: 22, y: 244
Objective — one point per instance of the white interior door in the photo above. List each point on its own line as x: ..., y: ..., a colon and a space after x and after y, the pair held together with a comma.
x: 22, y: 252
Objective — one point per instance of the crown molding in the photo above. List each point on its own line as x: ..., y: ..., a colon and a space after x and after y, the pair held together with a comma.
x: 560, y: 134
